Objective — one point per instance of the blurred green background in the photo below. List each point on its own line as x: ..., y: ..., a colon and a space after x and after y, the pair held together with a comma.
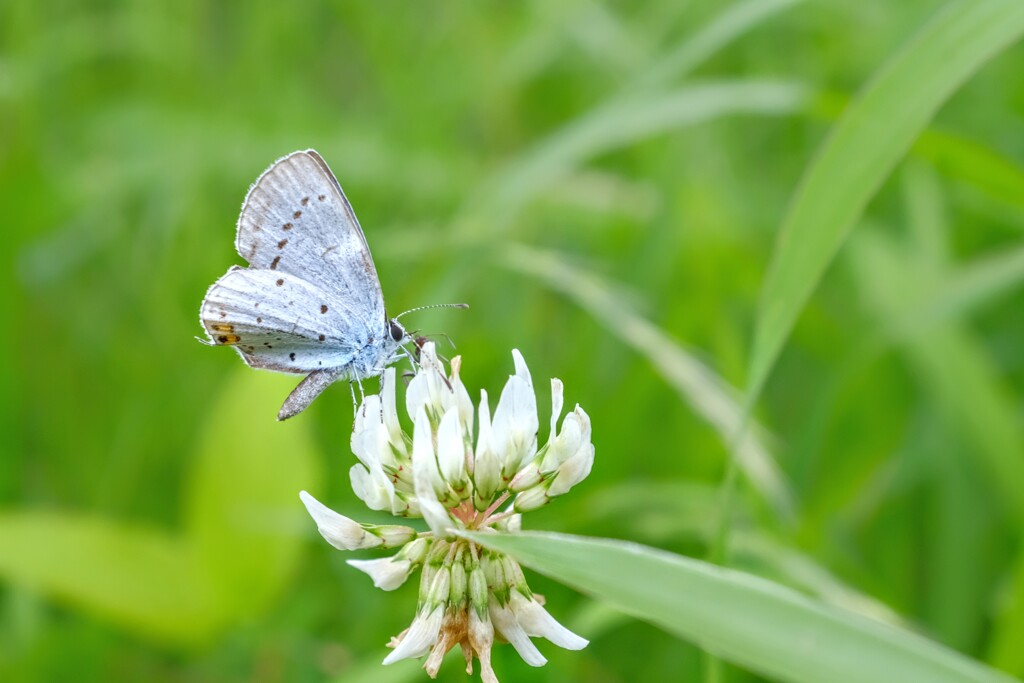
x: 603, y: 184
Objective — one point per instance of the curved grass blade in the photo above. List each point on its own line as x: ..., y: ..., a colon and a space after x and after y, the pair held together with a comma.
x: 757, y: 624
x: 621, y: 123
x: 733, y: 22
x: 697, y: 384
x: 862, y: 149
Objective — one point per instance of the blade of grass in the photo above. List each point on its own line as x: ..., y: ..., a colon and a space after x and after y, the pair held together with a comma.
x: 995, y: 174
x: 960, y: 292
x: 757, y: 624
x: 618, y: 124
x: 872, y: 135
x: 678, y: 511
x: 733, y: 22
x: 697, y: 384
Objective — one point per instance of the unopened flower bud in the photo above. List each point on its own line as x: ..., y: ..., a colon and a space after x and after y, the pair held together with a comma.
x: 525, y: 478
x: 392, y: 535
x: 514, y: 575
x: 416, y: 551
x: 459, y: 580
x: 440, y: 587
x: 495, y: 578
x: 531, y: 499
x: 478, y: 589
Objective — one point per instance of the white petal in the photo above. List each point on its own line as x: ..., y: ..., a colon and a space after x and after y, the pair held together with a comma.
x: 338, y: 530
x: 514, y: 430
x: 565, y: 444
x: 512, y: 523
x: 420, y: 636
x: 387, y: 573
x: 365, y: 489
x: 451, y: 450
x: 462, y: 399
x: 572, y: 471
x: 521, y: 370
x: 364, y: 434
x: 390, y: 412
x: 481, y: 638
x: 536, y: 621
x: 557, y: 401
x: 486, y: 467
x: 505, y: 624
x: 416, y: 394
x: 425, y: 476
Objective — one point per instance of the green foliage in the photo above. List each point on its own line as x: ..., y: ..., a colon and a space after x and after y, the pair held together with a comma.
x: 606, y: 184
x: 872, y: 135
x: 237, y: 551
x: 753, y: 622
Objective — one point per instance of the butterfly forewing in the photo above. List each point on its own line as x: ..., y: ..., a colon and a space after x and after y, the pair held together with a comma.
x: 296, y: 220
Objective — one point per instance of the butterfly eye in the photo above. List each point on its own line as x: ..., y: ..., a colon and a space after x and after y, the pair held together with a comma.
x: 397, y: 331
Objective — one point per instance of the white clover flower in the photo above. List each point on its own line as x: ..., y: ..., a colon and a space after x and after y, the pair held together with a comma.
x: 457, y: 479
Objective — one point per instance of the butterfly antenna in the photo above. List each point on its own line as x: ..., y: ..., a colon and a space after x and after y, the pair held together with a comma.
x: 422, y: 308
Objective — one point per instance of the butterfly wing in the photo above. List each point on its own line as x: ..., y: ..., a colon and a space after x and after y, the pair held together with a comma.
x: 278, y: 321
x: 297, y: 221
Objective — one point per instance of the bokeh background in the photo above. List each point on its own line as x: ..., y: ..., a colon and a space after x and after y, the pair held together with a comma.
x: 603, y: 183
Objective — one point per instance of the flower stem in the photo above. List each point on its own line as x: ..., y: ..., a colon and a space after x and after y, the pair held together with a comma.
x: 482, y: 517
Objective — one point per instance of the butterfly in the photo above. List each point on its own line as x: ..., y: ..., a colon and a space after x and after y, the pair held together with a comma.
x: 310, y: 301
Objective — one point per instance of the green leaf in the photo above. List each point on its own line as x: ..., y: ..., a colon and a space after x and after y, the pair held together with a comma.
x: 755, y: 623
x: 865, y: 144
x: 244, y: 531
x: 133, y: 575
x: 245, y: 521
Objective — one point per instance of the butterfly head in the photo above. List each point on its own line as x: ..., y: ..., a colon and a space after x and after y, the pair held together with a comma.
x: 397, y: 332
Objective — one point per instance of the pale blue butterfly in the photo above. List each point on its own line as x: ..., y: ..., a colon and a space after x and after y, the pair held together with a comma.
x: 310, y: 300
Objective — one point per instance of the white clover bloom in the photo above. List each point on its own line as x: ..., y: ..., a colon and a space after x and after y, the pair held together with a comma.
x: 457, y: 478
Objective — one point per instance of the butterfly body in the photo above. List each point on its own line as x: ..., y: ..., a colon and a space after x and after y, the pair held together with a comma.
x: 310, y: 301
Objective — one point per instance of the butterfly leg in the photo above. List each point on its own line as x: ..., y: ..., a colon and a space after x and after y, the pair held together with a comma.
x: 355, y: 406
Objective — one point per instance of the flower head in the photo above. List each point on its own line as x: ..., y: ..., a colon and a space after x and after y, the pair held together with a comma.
x: 468, y: 595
